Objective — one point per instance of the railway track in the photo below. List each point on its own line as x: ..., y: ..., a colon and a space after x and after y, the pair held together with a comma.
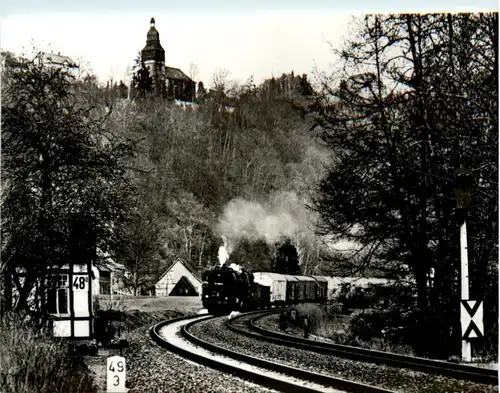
x: 174, y: 335
x: 244, y: 325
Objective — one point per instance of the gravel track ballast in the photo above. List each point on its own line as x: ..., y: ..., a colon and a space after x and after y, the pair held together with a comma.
x: 397, y: 379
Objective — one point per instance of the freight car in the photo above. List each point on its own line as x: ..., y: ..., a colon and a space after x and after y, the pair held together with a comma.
x: 226, y: 290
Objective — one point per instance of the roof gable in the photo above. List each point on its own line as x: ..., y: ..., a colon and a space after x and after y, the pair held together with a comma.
x: 185, y: 264
x: 184, y: 288
x: 176, y: 73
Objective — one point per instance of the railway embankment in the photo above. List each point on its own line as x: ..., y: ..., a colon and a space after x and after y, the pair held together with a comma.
x: 330, y: 326
x: 152, y: 368
x: 394, y: 378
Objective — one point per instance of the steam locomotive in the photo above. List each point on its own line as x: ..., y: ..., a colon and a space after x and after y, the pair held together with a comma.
x: 226, y: 290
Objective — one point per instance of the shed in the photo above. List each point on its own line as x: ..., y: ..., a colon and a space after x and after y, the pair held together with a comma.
x: 110, y: 278
x: 277, y: 283
x: 179, y: 279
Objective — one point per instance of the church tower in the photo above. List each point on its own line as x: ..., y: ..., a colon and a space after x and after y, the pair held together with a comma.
x: 153, y: 56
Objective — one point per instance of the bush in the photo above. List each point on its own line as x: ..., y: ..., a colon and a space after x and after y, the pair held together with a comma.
x: 110, y: 318
x: 368, y: 325
x: 106, y: 302
x: 34, y: 362
x: 355, y: 297
x: 324, y: 321
x: 388, y: 324
x: 314, y: 313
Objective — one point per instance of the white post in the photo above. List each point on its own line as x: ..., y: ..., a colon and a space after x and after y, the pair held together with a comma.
x: 116, y: 374
x: 466, y: 345
x: 111, y: 287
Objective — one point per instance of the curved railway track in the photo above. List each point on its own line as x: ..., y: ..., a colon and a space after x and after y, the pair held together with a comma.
x: 174, y: 335
x: 457, y: 371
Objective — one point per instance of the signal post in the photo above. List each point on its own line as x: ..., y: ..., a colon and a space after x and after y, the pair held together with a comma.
x: 471, y: 311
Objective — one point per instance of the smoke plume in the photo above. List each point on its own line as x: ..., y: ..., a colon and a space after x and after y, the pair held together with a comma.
x: 224, y: 252
x: 284, y: 215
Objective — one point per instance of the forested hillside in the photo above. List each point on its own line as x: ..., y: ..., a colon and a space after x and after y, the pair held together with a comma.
x: 241, y: 165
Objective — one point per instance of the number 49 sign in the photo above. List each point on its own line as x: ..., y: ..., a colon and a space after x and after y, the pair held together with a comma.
x: 116, y: 374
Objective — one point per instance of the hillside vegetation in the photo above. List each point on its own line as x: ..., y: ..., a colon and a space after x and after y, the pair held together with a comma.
x: 190, y: 164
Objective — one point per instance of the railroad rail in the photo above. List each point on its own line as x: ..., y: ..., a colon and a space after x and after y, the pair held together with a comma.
x: 269, y: 374
x: 457, y: 371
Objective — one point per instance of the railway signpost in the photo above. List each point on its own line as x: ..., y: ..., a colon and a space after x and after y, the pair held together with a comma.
x: 116, y: 375
x: 471, y: 318
x: 469, y: 315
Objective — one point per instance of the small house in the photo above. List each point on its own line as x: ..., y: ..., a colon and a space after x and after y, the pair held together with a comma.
x: 110, y: 278
x: 179, y: 279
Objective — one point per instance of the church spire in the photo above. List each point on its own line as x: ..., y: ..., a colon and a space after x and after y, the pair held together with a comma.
x: 153, y: 49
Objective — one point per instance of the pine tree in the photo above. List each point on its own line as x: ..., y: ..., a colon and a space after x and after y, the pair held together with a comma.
x: 142, y: 81
x: 287, y: 259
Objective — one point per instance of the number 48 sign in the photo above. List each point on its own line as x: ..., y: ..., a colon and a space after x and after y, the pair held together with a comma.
x: 116, y: 374
x: 80, y: 283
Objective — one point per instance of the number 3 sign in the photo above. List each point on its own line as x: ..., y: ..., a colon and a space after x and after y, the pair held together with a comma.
x: 116, y: 374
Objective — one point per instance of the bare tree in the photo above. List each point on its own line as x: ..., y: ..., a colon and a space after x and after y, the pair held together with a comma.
x: 220, y: 79
x: 193, y: 71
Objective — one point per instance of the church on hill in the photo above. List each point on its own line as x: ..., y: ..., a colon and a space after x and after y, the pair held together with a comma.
x: 167, y: 81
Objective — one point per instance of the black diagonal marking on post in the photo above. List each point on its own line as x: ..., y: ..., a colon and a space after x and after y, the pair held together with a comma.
x: 472, y: 327
x: 471, y: 310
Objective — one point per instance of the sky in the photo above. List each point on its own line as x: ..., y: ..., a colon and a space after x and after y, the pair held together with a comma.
x: 258, y: 38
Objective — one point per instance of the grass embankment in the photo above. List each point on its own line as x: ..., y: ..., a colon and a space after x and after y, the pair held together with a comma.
x: 31, y: 361
x: 142, y: 311
x: 326, y: 322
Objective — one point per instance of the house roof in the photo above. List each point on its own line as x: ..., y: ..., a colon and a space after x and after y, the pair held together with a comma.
x: 176, y: 73
x: 103, y: 268
x: 186, y: 265
x: 11, y: 60
x: 59, y: 59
